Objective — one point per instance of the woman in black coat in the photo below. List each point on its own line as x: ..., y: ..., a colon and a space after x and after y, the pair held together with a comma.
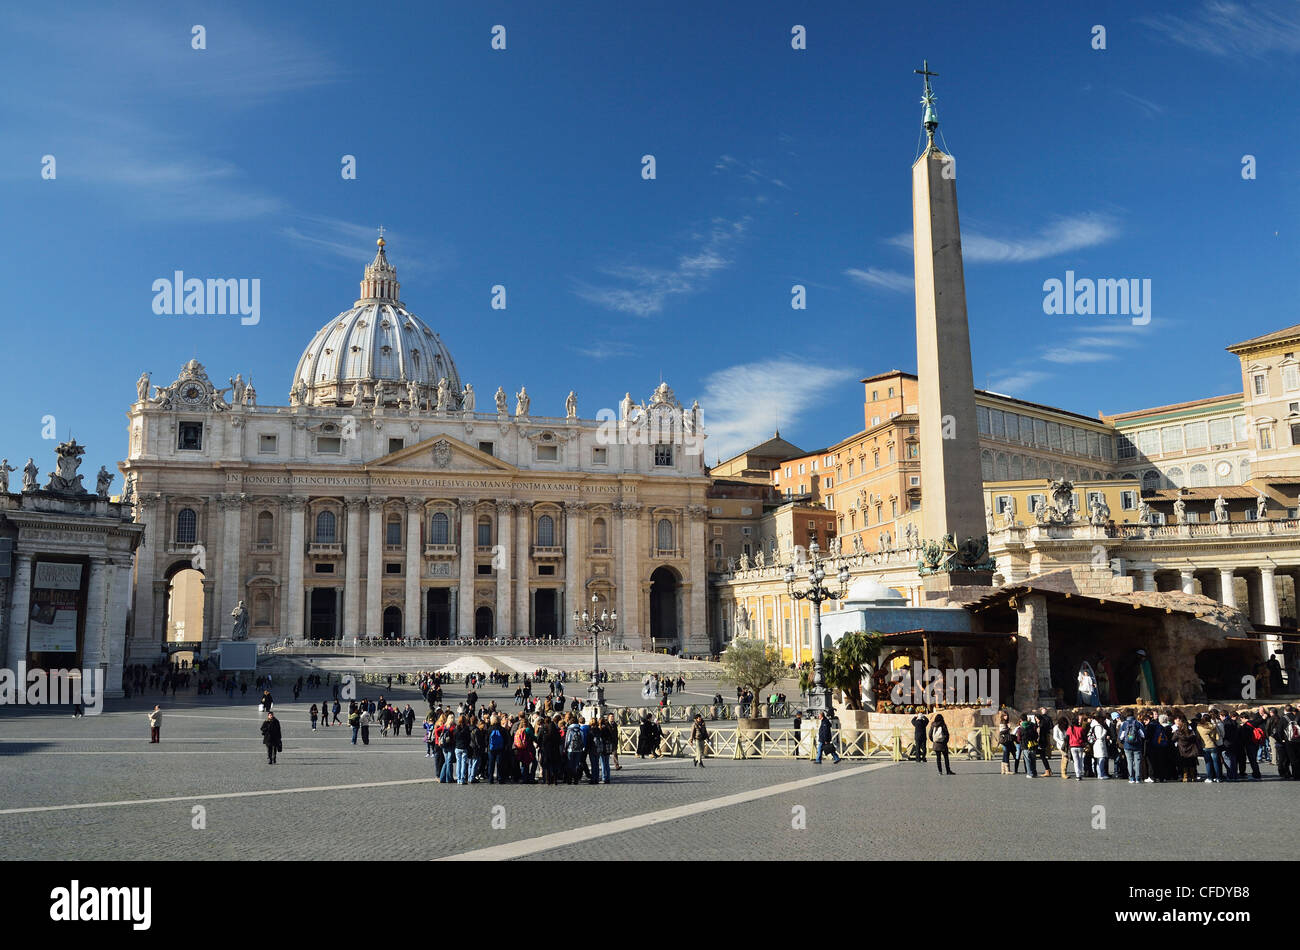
x: 271, y: 738
x: 939, y: 738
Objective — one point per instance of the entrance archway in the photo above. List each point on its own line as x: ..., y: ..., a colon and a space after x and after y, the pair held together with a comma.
x: 392, y: 628
x: 438, y: 612
x: 664, y: 594
x: 483, y: 623
x: 183, y: 607
x: 324, y: 613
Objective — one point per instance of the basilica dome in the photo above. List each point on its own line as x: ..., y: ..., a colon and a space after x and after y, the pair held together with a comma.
x: 377, y: 347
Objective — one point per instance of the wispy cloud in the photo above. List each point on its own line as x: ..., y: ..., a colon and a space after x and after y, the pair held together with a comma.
x: 744, y: 404
x: 748, y: 172
x: 1057, y: 237
x: 646, y: 289
x: 1233, y: 30
x: 1151, y: 109
x: 604, y: 350
x: 1074, y: 354
x: 355, y: 242
x: 1014, y: 384
x: 878, y: 277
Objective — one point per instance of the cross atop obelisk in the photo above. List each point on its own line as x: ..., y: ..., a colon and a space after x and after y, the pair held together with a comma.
x: 931, y: 121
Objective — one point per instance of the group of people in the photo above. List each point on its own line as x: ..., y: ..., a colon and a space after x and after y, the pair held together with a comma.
x: 1145, y: 746
x: 476, y: 745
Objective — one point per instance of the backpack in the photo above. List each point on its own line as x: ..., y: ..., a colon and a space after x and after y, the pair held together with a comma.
x: 1257, y: 734
x: 448, y: 738
x: 1292, y: 730
x: 1128, y: 734
x: 521, y: 738
x: 495, y: 741
x: 1162, y: 736
x: 940, y: 733
x: 1028, y: 733
x: 573, y: 739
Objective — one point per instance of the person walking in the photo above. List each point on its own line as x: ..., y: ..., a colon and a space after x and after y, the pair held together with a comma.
x: 939, y: 738
x: 824, y: 740
x: 920, y: 723
x: 155, y: 723
x: 337, y: 709
x: 315, y: 714
x: 699, y: 739
x: 409, y: 717
x: 271, y: 738
x: 365, y: 721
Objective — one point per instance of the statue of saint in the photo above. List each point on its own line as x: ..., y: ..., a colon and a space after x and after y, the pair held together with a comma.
x: 142, y: 388
x: 444, y: 394
x: 413, y: 393
x: 379, y: 393
x: 5, y: 469
x: 571, y: 406
x: 102, y: 481
x: 988, y: 517
x: 1220, y: 509
x: 1261, y: 506
x: 237, y: 390
x: 1180, y: 511
x: 501, y: 401
x: 240, y: 615
x: 625, y: 407
x: 30, y: 474
x: 760, y: 560
x: 522, y: 402
x: 128, y: 492
x: 1144, y: 512
x: 467, y: 398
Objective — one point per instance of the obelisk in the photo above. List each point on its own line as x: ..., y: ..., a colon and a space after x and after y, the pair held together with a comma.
x: 951, y: 481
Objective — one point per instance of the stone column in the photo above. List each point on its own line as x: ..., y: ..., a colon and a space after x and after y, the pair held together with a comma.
x: 1033, y: 656
x: 1227, y: 596
x: 153, y: 541
x: 501, y: 564
x: 294, y: 581
x: 634, y: 635
x: 1148, y: 580
x: 573, y: 559
x: 465, y: 611
x: 696, y: 637
x: 119, y: 605
x: 1268, y: 596
x: 374, y: 568
x: 232, y: 506
x: 1188, y: 581
x: 620, y: 597
x: 411, y: 620
x: 94, y: 652
x: 352, y: 569
x: 523, y: 564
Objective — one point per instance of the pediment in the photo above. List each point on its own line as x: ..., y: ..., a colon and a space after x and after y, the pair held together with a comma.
x: 441, y: 453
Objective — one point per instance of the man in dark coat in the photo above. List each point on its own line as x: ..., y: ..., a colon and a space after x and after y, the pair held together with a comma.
x: 824, y: 743
x: 271, y: 738
x: 920, y: 723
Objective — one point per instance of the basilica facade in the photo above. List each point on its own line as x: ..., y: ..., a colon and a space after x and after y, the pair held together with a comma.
x: 382, y: 501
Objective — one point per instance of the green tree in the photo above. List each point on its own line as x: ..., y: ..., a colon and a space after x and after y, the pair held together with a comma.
x: 848, y: 661
x: 752, y: 665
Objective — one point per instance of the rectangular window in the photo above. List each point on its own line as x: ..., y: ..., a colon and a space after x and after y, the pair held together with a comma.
x: 1220, y: 432
x: 1194, y: 435
x: 548, y: 453
x: 484, y: 570
x: 830, y: 501
x: 745, y: 511
x: 325, y: 568
x: 485, y: 534
x: 1128, y: 500
x: 1261, y: 385
x: 982, y: 419
x: 802, y: 469
x: 1149, y: 442
x: 393, y: 567
x: 891, y: 453
x: 396, y: 445
x: 1040, y: 432
x: 394, y: 535
x: 329, y: 445
x: 600, y: 456
x: 1193, y: 517
x: 1013, y: 427
x: 663, y: 455
x: 1054, y: 435
x: 830, y: 482
x: 189, y: 436
x: 1265, y: 438
x: 1295, y: 435
x: 1239, y: 428
x: 996, y: 424
x: 914, y: 479
x: 1035, y: 502
x: 1001, y: 503
x: 746, y: 531
x: 1171, y: 439
x: 717, y: 530
x: 1094, y: 445
x: 546, y: 570
x: 267, y: 444
x: 487, y: 448
x: 1290, y: 377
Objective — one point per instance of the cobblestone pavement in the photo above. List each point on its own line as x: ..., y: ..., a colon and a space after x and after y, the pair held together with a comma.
x: 212, y: 748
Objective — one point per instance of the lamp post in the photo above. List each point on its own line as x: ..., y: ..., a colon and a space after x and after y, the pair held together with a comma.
x: 597, y: 627
x: 819, y: 697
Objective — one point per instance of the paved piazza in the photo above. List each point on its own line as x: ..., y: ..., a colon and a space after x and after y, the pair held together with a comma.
x: 327, y: 799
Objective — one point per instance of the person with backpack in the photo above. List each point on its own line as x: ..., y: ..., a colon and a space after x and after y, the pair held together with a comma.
x: 1097, y: 738
x: 354, y: 720
x: 496, y: 743
x: 1027, y: 739
x: 1253, y: 739
x: 1157, y: 754
x: 699, y: 739
x: 574, y: 748
x: 1132, y: 740
x: 825, y: 741
x: 939, y: 737
x: 1234, y: 757
x: 592, y: 736
x: 1291, y: 729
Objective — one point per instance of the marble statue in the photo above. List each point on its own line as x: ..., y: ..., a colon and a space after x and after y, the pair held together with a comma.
x: 1261, y: 506
x: 379, y: 393
x: 1180, y: 511
x: 298, y: 393
x: 1100, y: 511
x: 467, y: 398
x: 1220, y: 509
x: 760, y: 560
x: 1144, y: 512
x: 102, y: 481
x: 571, y: 406
x: 744, y: 562
x: 65, y: 478
x: 625, y: 407
x: 240, y: 615
x: 30, y: 474
x: 128, y: 491
x: 695, y: 417
x: 237, y: 390
x: 857, y: 544
x: 413, y: 393
x: 5, y: 469
x: 142, y: 388
x: 356, y: 393
x: 834, y: 545
x: 444, y: 395
x: 1009, y: 513
x: 988, y: 517
x: 731, y: 565
x: 501, y: 401
x: 522, y: 402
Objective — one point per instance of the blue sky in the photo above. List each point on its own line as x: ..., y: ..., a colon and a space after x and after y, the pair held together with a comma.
x: 522, y: 167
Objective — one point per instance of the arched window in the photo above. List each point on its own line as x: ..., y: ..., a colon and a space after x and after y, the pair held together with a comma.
x: 1175, y: 476
x: 485, y: 532
x: 664, y: 534
x: 325, y: 528
x: 1150, y: 480
x: 439, y: 529
x: 599, y: 534
x: 1243, y: 467
x: 546, y: 531
x: 265, y: 527
x: 393, y: 530
x: 187, y: 526
x: 1200, y: 476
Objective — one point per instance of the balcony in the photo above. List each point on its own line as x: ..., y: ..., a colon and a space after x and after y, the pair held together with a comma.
x: 600, y: 550
x: 325, y: 548
x: 667, y: 552
x: 441, y: 550
x: 483, y: 549
x: 548, y: 551
x: 394, y: 548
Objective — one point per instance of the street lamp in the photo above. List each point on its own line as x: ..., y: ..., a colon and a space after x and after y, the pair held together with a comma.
x: 596, y: 627
x: 819, y: 697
